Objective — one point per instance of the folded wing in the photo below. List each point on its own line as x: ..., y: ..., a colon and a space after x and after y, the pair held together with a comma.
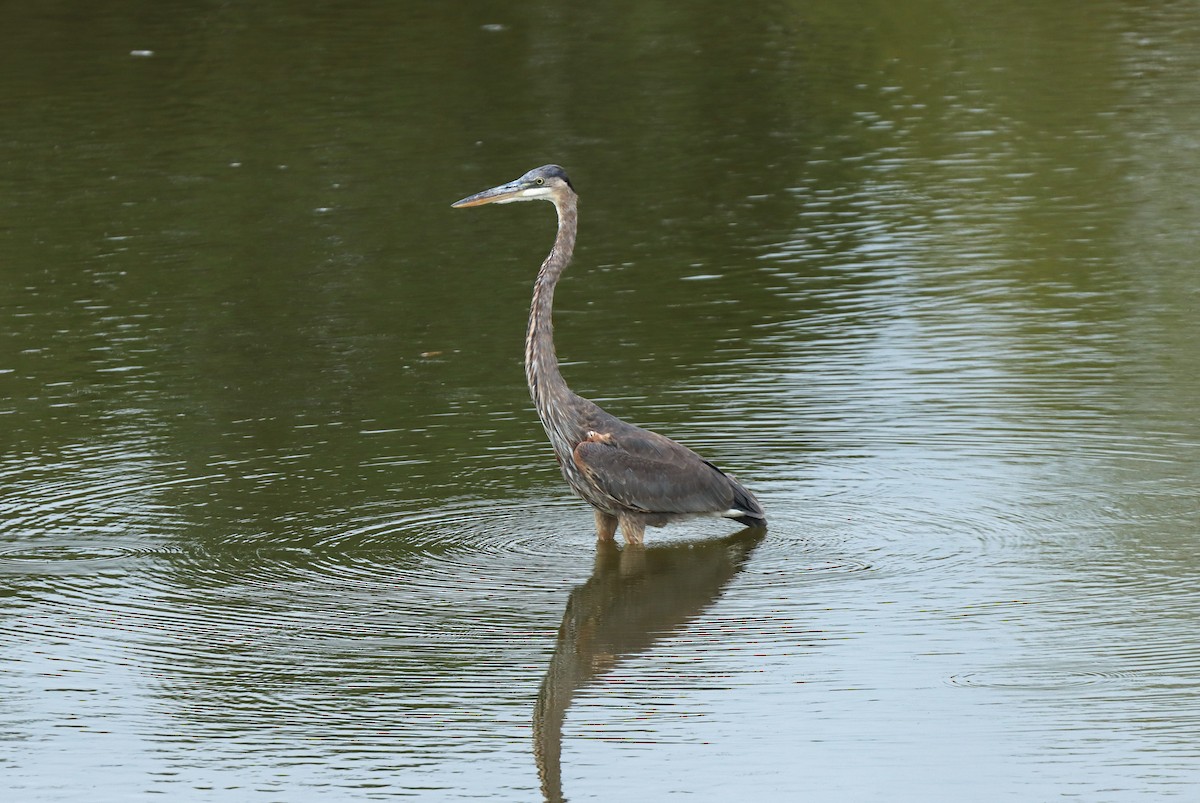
x: 647, y: 472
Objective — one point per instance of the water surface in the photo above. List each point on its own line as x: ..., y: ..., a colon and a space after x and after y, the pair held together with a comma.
x: 278, y: 523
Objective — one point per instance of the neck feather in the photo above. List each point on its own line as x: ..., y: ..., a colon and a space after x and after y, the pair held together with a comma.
x: 546, y: 384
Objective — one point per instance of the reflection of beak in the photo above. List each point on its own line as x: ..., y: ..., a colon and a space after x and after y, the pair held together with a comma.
x: 503, y: 194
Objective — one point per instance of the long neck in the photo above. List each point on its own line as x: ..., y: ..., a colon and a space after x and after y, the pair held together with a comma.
x: 546, y: 384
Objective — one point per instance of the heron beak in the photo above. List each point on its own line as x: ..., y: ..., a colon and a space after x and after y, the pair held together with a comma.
x: 505, y: 193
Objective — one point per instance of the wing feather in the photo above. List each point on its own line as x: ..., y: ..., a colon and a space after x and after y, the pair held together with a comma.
x: 653, y: 474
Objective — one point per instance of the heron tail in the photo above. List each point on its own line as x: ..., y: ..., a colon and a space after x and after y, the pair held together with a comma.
x: 743, y: 500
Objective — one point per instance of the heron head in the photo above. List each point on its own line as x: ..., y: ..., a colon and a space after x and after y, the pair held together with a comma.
x: 546, y: 183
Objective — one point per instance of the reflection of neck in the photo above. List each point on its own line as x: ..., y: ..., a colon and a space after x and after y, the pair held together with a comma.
x: 546, y: 384
x: 635, y: 596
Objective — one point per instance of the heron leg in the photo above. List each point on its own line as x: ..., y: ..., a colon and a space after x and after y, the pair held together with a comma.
x: 606, y: 526
x: 633, y: 530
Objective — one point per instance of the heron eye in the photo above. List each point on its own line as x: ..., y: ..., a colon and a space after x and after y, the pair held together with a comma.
x: 539, y: 181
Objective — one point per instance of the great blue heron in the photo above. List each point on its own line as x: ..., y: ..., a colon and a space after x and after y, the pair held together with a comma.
x: 632, y: 477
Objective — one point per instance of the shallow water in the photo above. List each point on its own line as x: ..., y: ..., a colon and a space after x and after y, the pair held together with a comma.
x: 278, y: 523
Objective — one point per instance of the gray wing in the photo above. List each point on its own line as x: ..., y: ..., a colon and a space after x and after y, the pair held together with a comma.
x: 647, y: 472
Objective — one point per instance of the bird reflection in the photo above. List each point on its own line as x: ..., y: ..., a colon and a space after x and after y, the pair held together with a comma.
x: 635, y: 596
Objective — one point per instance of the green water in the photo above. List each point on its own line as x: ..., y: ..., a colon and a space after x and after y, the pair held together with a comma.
x: 277, y: 520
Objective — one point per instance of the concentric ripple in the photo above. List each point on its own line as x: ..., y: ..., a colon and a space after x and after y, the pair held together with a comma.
x: 1033, y: 680
x: 70, y: 557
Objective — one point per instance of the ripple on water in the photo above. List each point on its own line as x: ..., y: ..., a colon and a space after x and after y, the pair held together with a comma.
x: 93, y: 509
x: 75, y: 558
x: 1033, y: 680
x: 399, y: 623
